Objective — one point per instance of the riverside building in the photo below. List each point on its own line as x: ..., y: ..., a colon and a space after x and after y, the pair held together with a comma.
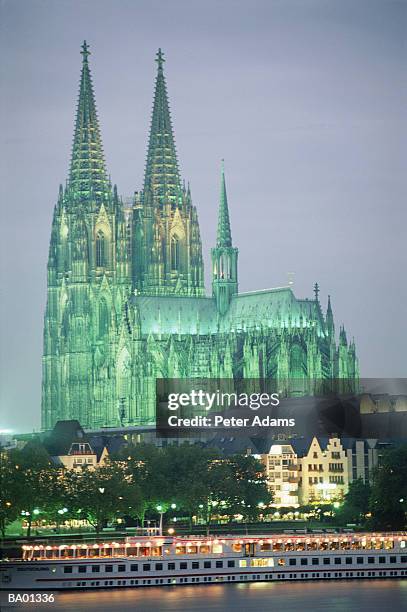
x: 126, y: 302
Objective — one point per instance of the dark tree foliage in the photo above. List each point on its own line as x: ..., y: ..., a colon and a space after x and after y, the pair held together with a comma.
x: 356, y: 504
x: 388, y: 499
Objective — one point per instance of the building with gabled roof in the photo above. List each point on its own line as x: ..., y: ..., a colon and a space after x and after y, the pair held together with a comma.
x: 70, y: 448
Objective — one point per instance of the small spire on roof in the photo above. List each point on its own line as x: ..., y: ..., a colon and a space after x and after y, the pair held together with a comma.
x: 224, y: 235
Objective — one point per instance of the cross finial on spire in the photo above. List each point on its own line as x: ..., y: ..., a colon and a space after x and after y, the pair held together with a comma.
x: 160, y: 59
x: 85, y: 51
x: 316, y: 291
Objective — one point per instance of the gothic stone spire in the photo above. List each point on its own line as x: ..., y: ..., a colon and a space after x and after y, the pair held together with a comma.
x: 330, y: 318
x: 224, y: 237
x: 87, y: 176
x: 224, y: 256
x: 162, y: 181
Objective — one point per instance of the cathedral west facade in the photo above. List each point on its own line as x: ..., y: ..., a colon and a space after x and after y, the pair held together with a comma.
x: 126, y: 301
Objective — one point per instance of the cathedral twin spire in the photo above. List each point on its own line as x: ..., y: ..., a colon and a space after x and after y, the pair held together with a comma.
x: 87, y: 175
x: 162, y: 178
x: 88, y: 181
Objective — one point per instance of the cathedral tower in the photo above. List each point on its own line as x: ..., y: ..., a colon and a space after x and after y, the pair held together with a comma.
x: 125, y: 292
x: 167, y: 249
x: 88, y: 278
x: 224, y: 256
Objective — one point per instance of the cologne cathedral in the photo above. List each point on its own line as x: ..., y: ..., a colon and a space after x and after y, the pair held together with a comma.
x: 126, y: 301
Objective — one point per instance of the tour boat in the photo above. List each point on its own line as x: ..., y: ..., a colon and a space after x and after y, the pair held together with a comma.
x: 161, y: 560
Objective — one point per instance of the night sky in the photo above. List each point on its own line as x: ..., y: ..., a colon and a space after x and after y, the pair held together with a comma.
x: 306, y: 102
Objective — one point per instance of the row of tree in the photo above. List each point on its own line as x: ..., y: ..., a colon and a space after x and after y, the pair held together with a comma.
x: 144, y: 481
x: 140, y: 483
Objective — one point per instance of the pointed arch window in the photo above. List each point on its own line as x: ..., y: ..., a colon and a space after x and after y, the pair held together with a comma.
x: 100, y: 249
x: 103, y: 317
x: 175, y: 253
x: 298, y: 362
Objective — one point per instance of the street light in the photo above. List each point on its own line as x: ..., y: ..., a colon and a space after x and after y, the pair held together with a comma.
x: 161, y: 510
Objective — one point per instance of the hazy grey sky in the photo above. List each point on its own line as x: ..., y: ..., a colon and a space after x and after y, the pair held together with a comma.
x: 306, y: 102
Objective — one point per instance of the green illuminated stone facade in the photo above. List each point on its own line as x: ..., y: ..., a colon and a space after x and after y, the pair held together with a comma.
x: 126, y: 298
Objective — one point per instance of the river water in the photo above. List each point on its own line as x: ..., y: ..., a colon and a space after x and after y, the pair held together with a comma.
x: 341, y: 596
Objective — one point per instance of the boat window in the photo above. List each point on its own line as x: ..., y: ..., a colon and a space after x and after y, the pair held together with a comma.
x: 388, y: 544
x: 207, y: 564
x: 300, y: 546
x: 263, y: 547
x: 68, y: 569
x: 370, y: 559
x: 121, y: 568
x: 403, y: 558
x: 315, y: 561
x: 393, y: 560
x: 146, y: 567
x: 217, y: 548
x: 158, y: 566
x: 304, y: 561
x: 204, y: 549
x: 82, y: 569
x: 171, y: 566
x: 281, y: 561
x: 359, y: 560
x: 95, y: 568
x: 180, y: 550
x: 195, y: 564
x: 183, y: 565
x: 219, y: 563
x: 231, y: 564
x: 134, y: 567
x: 238, y: 547
x: 109, y: 568
x: 382, y: 559
x: 338, y: 560
x: 326, y: 561
x: 293, y: 561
